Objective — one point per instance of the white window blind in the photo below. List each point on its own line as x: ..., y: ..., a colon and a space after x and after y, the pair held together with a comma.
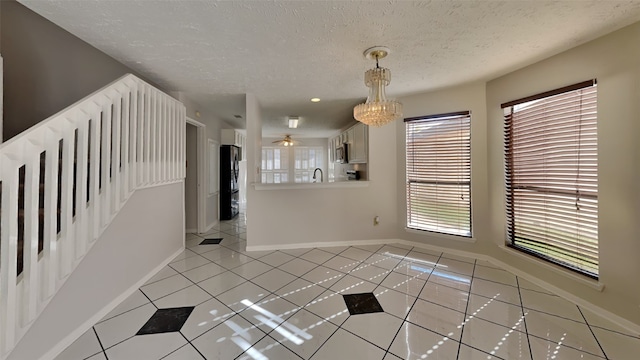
x: 275, y: 164
x: 307, y: 159
x: 552, y: 176
x: 439, y: 173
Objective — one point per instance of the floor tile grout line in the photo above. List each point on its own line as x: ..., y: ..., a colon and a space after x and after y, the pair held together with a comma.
x: 145, y: 284
x: 636, y: 337
x: 524, y: 317
x: 411, y: 308
x: 592, y: 333
x: 388, y: 272
x: 495, y: 282
x: 466, y: 310
x: 369, y: 342
x: 568, y: 346
x: 338, y: 327
x: 279, y: 344
x: 554, y: 315
x: 299, y: 308
x: 188, y: 343
x: 100, y: 343
x: 122, y: 313
x: 151, y: 301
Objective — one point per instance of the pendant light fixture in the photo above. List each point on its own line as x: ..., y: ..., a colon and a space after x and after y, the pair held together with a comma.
x: 377, y: 110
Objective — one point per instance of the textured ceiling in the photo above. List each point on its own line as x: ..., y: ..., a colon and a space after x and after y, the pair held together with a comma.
x: 286, y: 52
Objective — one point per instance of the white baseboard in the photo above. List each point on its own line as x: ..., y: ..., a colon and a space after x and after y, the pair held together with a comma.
x: 74, y: 335
x: 319, y: 244
x: 210, y: 226
x: 616, y: 319
x: 191, y: 230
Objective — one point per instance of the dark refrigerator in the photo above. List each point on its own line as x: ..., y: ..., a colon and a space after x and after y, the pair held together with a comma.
x: 229, y: 197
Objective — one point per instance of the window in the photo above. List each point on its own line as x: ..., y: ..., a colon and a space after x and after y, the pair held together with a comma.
x: 275, y: 164
x: 439, y: 173
x: 282, y: 164
x: 307, y: 159
x: 552, y: 176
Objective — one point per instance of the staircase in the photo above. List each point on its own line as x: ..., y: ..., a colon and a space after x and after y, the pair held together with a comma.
x: 64, y: 180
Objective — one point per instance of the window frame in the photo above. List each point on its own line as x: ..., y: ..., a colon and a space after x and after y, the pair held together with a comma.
x: 466, y: 141
x: 550, y: 243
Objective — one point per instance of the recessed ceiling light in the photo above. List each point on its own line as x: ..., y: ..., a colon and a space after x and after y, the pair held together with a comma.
x: 315, y: 100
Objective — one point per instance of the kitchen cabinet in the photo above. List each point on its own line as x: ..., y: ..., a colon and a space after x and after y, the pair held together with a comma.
x: 358, y: 143
x: 234, y: 137
x: 357, y: 138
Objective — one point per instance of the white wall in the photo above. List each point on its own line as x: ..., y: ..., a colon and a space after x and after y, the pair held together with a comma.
x: 148, y: 231
x: 254, y: 153
x: 308, y: 216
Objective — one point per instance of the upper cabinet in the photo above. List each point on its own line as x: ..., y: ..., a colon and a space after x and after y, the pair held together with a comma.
x: 234, y: 137
x: 358, y: 143
x: 356, y: 137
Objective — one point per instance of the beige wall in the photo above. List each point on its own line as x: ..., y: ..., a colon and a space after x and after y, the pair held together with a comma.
x: 471, y: 98
x: 614, y: 60
x: 317, y: 216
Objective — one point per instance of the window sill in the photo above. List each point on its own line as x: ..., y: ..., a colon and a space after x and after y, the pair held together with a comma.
x: 595, y: 284
x: 323, y: 185
x: 441, y: 236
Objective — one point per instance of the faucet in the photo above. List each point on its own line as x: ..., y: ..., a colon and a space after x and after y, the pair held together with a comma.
x: 314, y: 175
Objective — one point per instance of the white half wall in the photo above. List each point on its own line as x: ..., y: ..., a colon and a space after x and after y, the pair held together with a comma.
x: 147, y: 232
x: 328, y: 215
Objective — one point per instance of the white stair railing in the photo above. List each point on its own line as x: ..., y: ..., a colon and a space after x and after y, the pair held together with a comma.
x: 63, y: 181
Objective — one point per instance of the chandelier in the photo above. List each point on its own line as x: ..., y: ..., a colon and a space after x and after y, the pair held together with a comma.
x: 377, y: 110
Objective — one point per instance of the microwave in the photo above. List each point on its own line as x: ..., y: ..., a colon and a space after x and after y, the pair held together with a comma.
x: 341, y: 153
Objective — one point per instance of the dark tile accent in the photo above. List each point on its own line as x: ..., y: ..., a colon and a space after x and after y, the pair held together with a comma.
x: 214, y: 241
x: 166, y: 320
x: 364, y: 303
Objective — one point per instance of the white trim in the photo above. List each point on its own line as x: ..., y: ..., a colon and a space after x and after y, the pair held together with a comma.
x: 142, y: 187
x: 201, y: 153
x: 441, y: 236
x: 324, y: 185
x: 633, y: 328
x: 210, y: 226
x: 191, y: 230
x: 75, y: 334
x: 320, y: 244
x: 598, y: 285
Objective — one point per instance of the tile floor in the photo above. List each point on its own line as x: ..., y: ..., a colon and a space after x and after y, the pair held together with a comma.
x: 289, y: 304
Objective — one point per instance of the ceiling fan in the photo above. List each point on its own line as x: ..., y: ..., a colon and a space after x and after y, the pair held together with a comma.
x: 287, y: 141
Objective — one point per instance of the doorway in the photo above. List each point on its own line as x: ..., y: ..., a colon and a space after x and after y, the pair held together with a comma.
x: 194, y: 205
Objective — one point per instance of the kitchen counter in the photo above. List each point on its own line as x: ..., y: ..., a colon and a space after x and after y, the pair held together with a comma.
x: 323, y: 185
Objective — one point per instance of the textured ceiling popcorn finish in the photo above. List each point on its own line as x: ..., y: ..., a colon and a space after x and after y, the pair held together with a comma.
x: 286, y: 52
